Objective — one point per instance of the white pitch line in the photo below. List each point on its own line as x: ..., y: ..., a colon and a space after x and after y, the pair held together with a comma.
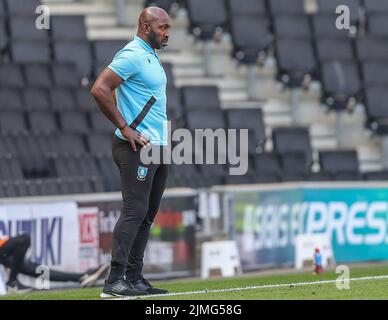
x: 250, y: 288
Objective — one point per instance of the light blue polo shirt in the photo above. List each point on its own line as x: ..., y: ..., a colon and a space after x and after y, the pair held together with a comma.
x: 141, y: 97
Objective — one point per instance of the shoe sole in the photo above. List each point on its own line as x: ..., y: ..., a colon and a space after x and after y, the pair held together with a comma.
x: 114, y: 295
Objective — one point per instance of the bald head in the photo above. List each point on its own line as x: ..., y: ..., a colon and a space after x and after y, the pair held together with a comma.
x: 154, y: 27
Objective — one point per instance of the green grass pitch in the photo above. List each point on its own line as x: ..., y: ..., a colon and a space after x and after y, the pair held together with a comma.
x: 366, y: 289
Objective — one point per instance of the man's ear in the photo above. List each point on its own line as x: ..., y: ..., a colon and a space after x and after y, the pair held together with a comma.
x: 146, y: 28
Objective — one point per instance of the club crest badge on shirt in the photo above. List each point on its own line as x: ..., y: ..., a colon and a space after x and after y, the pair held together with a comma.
x: 141, y: 173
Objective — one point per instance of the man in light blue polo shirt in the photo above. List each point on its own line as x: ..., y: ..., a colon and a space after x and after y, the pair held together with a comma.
x: 131, y: 92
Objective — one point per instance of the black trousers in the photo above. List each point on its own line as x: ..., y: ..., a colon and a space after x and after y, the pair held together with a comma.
x: 142, y: 186
x: 12, y: 255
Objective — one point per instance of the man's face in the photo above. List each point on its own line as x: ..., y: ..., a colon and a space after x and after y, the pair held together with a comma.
x: 159, y: 33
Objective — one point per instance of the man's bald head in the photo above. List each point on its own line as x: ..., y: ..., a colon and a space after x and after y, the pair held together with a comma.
x: 154, y: 26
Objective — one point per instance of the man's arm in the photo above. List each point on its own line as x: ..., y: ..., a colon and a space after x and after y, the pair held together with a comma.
x: 103, y: 93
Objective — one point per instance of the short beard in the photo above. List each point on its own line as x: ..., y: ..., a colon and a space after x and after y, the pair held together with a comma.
x: 153, y: 39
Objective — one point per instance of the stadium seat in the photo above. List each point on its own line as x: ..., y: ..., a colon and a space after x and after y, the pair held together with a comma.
x: 65, y: 75
x: 205, y: 119
x: 69, y: 27
x: 296, y: 62
x: 22, y: 7
x: 378, y: 25
x: 200, y: 97
x: 62, y: 99
x: 100, y: 123
x: 294, y: 167
x: 267, y: 168
x: 376, y: 175
x: 249, y: 46
x: 23, y: 28
x: 184, y: 176
x: 38, y: 75
x: 10, y: 168
x: 329, y: 6
x: 340, y: 83
x: 376, y: 109
x: 286, y: 26
x: 375, y: 6
x: 104, y: 51
x: 3, y: 34
x: 340, y: 165
x: 372, y: 49
x: 212, y: 174
x: 334, y: 49
x: 36, y: 99
x: 12, y: 122
x: 42, y: 122
x: 174, y: 104
x: 73, y: 165
x: 85, y: 100
x: 375, y: 73
x: 206, y: 17
x: 70, y: 143
x: 99, y: 143
x: 38, y: 51
x: 293, y: 7
x: 10, y: 99
x: 77, y: 52
x: 250, y: 7
x: 11, y: 76
x: 324, y: 25
x: 292, y: 140
x: 73, y: 122
x: 251, y: 119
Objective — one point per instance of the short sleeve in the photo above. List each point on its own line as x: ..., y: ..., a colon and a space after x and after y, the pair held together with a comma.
x: 125, y: 64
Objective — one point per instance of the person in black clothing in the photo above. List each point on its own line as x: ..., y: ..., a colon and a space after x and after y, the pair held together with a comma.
x: 13, y: 256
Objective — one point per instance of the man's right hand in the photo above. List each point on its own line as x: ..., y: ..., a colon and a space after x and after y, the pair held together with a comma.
x: 134, y: 137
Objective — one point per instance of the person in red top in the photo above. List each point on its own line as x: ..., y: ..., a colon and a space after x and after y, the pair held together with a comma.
x: 12, y: 255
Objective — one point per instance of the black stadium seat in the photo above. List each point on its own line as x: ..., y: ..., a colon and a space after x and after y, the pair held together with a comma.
x: 65, y: 75
x: 42, y: 122
x: 294, y: 166
x: 250, y: 7
x: 99, y: 143
x: 324, y: 25
x: 329, y: 6
x: 22, y: 7
x: 251, y: 119
x: 62, y: 99
x: 38, y: 75
x: 100, y: 123
x: 73, y: 122
x: 3, y: 34
x: 293, y: 7
x: 68, y: 28
x: 200, y: 97
x: 267, y: 168
x: 375, y: 6
x: 340, y: 83
x: 12, y: 122
x: 174, y: 104
x: 376, y: 98
x: 38, y: 51
x: 11, y: 99
x: 205, y: 119
x: 372, y: 49
x: 248, y: 46
x: 206, y: 17
x: 334, y: 49
x: 375, y: 73
x: 291, y: 26
x: 36, y: 99
x: 78, y: 52
x: 340, y: 165
x: 376, y: 175
x: 378, y: 25
x: 23, y: 28
x: 168, y: 69
x: 11, y: 76
x: 292, y: 140
x: 85, y: 100
x: 70, y: 143
x: 295, y: 58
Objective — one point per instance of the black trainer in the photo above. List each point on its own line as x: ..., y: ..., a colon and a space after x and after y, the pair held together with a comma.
x: 143, y: 284
x: 120, y: 288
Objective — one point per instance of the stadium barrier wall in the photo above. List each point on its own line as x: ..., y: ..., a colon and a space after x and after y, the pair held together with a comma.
x: 265, y: 219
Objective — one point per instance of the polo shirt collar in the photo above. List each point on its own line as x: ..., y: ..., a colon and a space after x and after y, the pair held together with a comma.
x: 144, y: 44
